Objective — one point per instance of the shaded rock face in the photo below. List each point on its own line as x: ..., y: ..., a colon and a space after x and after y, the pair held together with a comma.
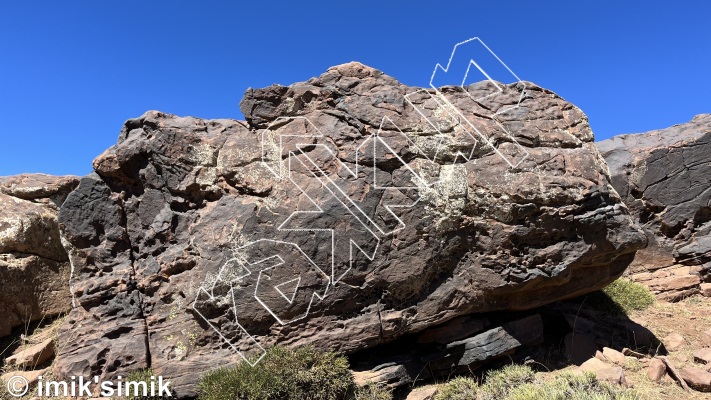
x: 317, y: 221
x: 664, y: 177
x: 34, y: 267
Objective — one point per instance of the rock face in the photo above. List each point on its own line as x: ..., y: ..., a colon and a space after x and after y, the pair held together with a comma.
x: 34, y: 267
x: 346, y: 211
x: 664, y: 177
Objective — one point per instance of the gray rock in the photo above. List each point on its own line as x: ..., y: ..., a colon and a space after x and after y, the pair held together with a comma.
x: 181, y: 224
x: 664, y: 177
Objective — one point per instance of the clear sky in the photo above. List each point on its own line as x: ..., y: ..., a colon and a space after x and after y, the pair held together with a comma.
x: 72, y: 71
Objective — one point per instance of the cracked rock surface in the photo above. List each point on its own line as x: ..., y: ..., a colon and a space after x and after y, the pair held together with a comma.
x: 664, y: 177
x: 34, y: 267
x: 317, y: 221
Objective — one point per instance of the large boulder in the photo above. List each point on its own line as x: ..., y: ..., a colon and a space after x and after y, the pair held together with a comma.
x: 346, y: 211
x: 34, y: 267
x: 664, y: 177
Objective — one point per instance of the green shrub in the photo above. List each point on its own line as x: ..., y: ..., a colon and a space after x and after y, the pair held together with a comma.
x: 142, y: 375
x: 516, y: 382
x: 570, y: 387
x: 622, y: 297
x: 459, y: 388
x: 283, y: 374
x: 372, y: 391
x: 499, y: 382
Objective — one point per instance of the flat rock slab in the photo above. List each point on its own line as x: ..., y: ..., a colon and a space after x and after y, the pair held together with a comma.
x: 705, y: 289
x: 32, y: 356
x: 613, y: 355
x: 703, y: 355
x: 697, y: 378
x: 604, y: 371
x: 427, y: 393
x: 393, y: 376
x: 32, y: 377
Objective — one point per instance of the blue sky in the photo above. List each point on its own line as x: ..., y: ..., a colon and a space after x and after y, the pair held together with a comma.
x: 72, y: 71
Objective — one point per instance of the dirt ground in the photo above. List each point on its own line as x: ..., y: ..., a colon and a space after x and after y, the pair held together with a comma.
x: 690, y: 318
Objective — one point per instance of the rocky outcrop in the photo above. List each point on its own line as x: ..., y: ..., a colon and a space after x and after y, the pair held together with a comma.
x: 664, y: 177
x: 34, y: 267
x: 345, y: 212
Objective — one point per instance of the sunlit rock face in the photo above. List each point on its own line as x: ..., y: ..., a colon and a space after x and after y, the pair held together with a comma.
x: 664, y: 177
x: 34, y: 267
x: 345, y: 212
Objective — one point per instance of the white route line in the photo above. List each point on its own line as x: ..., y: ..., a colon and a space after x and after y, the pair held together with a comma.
x: 233, y: 282
x: 458, y: 114
x: 301, y: 158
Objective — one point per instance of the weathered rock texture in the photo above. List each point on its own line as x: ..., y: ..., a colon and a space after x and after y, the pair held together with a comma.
x: 34, y: 267
x: 664, y: 177
x: 181, y: 224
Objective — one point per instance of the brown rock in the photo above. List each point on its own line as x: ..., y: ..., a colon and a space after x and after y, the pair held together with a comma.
x: 614, y: 355
x: 656, y: 370
x: 34, y: 267
x: 673, y: 372
x: 592, y: 365
x: 703, y: 355
x: 697, y: 378
x: 675, y: 288
x: 33, y: 356
x: 706, y: 337
x: 392, y: 376
x: 387, y: 222
x: 39, y: 187
x: 427, y: 393
x: 614, y: 375
x: 599, y: 356
x: 673, y: 341
x: 604, y: 371
x: 705, y: 289
x: 31, y: 376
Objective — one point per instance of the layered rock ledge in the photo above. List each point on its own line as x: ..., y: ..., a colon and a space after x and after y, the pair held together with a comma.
x: 664, y: 176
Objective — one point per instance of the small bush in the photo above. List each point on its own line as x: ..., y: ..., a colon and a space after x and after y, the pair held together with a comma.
x: 622, y: 297
x: 372, y: 391
x: 500, y: 382
x: 516, y: 382
x: 143, y: 375
x: 283, y: 374
x: 459, y: 388
x: 570, y: 387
